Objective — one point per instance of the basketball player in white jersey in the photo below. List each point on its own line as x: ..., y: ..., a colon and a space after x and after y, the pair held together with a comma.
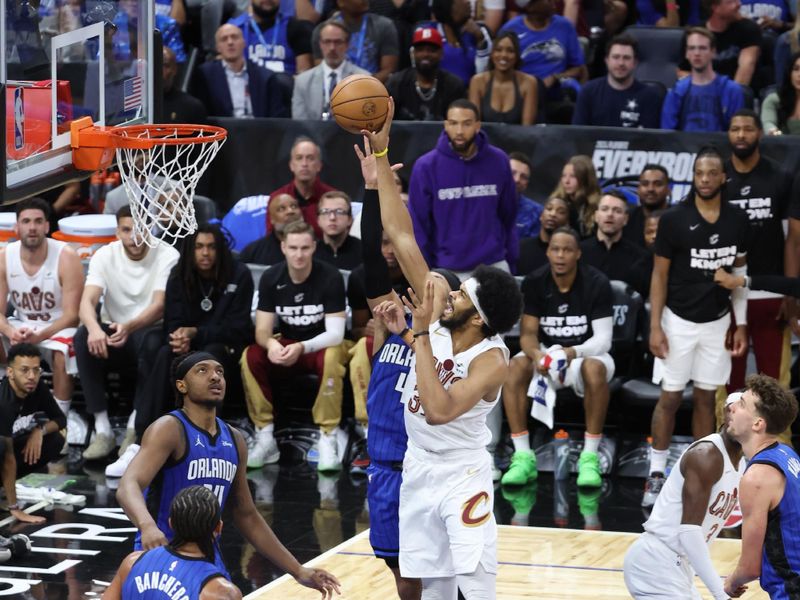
x: 43, y: 278
x: 448, y: 535
x: 696, y: 500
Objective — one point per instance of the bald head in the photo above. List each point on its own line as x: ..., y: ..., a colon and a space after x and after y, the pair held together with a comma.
x: 230, y: 44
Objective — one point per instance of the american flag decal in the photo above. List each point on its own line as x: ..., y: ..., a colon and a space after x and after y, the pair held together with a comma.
x: 132, y: 93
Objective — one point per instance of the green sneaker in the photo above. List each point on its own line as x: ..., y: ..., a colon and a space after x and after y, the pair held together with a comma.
x: 522, y: 470
x: 589, y: 505
x: 589, y: 470
x: 522, y: 498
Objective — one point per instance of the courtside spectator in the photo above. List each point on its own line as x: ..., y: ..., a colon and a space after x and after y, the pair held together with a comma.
x: 780, y: 111
x: 550, y: 48
x: 311, y: 98
x: 30, y: 421
x: 609, y: 252
x: 307, y: 298
x: 179, y: 107
x: 703, y: 100
x: 283, y: 209
x: 337, y: 247
x: 462, y: 198
x: 651, y: 229
x: 533, y: 251
x: 528, y: 211
x: 503, y: 93
x: 578, y: 186
x: 373, y: 39
x: 759, y: 186
x: 618, y: 99
x: 207, y: 308
x: 562, y: 292
x: 45, y: 307
x: 654, y: 193
x: 466, y: 43
x: 130, y: 278
x: 236, y: 87
x: 274, y: 41
x: 690, y: 316
x: 305, y: 163
x: 423, y: 91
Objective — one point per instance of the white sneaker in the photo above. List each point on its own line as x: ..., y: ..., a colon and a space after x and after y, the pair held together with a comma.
x: 329, y: 458
x: 265, y: 451
x: 117, y: 468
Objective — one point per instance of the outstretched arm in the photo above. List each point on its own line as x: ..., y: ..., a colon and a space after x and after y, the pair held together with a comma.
x: 394, y: 215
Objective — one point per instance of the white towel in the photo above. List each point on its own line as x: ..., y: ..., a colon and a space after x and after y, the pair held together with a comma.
x: 542, y: 389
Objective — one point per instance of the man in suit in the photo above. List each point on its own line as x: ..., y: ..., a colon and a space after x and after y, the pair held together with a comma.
x: 236, y: 87
x: 312, y: 88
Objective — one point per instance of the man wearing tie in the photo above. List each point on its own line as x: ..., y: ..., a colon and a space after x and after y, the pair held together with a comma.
x: 313, y: 88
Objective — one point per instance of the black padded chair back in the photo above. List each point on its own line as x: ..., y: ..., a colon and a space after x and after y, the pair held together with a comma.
x: 659, y: 53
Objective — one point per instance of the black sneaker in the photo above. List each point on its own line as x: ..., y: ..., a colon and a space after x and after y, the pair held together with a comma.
x: 652, y: 488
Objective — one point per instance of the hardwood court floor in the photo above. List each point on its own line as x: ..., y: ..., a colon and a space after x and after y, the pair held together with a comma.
x: 535, y: 562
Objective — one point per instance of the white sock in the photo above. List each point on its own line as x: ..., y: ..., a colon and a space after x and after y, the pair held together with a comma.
x: 132, y: 420
x: 591, y: 442
x: 101, y: 423
x: 365, y: 431
x: 63, y: 404
x: 658, y: 460
x: 522, y: 441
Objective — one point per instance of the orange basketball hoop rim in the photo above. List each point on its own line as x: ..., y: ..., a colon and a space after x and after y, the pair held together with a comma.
x: 94, y: 147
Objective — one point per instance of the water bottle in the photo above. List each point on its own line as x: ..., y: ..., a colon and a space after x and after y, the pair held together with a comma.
x: 561, y: 455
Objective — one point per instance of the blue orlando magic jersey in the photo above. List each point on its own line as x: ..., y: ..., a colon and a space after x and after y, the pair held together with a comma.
x: 208, y: 461
x: 780, y: 561
x: 387, y: 437
x: 163, y: 573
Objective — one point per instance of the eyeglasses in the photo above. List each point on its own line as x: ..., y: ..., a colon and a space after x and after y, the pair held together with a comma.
x: 333, y: 212
x: 333, y: 42
x: 26, y: 370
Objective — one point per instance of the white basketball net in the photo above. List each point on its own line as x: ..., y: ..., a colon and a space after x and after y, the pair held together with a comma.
x: 161, y: 181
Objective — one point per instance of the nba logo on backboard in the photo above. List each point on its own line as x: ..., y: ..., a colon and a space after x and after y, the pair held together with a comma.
x: 19, y: 119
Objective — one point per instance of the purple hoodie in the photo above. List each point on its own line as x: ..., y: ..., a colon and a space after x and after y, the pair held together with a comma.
x: 464, y: 211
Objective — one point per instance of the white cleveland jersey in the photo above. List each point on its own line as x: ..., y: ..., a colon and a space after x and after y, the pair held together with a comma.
x: 665, y: 520
x: 469, y: 431
x: 36, y: 298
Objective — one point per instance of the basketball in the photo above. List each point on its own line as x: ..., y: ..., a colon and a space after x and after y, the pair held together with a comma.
x: 360, y: 102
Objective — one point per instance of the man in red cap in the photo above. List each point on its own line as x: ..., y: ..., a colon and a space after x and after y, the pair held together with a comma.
x: 423, y: 91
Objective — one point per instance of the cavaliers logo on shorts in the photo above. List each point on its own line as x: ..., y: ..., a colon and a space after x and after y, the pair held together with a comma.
x: 473, y: 505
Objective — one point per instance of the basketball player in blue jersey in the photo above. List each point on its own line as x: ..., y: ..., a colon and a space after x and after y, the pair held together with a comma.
x: 769, y: 493
x: 448, y: 535
x: 185, y: 567
x: 191, y: 446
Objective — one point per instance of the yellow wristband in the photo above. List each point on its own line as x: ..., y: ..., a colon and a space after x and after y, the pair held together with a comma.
x: 383, y: 152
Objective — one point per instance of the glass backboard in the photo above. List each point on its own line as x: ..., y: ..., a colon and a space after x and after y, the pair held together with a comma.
x: 62, y: 60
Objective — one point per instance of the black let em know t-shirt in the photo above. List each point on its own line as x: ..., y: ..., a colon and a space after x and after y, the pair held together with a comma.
x: 301, y: 307
x: 696, y: 249
x: 566, y: 318
x: 763, y: 194
x: 13, y: 408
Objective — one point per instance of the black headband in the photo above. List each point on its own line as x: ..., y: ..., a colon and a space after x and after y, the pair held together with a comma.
x: 190, y: 361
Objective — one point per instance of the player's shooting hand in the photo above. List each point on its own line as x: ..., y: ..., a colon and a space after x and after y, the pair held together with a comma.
x: 727, y: 280
x: 319, y: 579
x: 379, y: 140
x: 120, y: 335
x: 98, y: 343
x: 658, y: 343
x: 392, y: 315
x: 421, y: 311
x: 369, y: 168
x: 153, y: 537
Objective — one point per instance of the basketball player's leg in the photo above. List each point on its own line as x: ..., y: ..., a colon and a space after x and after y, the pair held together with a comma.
x: 710, y: 370
x: 515, y: 402
x: 653, y: 571
x: 360, y: 371
x: 330, y: 366
x: 62, y: 382
x: 439, y: 588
